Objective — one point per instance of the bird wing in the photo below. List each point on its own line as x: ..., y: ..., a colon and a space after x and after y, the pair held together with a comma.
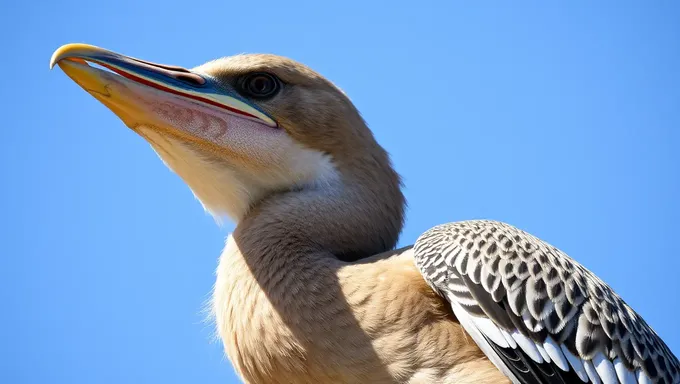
x: 540, y: 316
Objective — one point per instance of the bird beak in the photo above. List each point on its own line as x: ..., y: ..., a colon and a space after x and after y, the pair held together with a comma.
x: 148, y: 94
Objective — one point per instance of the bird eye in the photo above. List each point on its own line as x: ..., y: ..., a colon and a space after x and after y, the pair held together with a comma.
x: 260, y: 85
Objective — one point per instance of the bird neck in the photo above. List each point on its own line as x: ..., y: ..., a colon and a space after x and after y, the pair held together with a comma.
x: 355, y: 217
x: 280, y: 270
x: 280, y: 265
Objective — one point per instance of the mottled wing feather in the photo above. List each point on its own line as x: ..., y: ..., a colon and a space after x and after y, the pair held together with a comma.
x: 539, y: 315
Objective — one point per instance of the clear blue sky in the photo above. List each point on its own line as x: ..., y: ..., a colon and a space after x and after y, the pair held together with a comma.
x: 563, y: 120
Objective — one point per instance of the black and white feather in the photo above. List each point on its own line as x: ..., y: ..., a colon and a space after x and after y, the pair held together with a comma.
x: 540, y: 316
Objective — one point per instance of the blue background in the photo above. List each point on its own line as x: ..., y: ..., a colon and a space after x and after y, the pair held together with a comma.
x: 561, y: 119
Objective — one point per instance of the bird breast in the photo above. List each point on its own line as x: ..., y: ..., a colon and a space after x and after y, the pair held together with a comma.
x: 331, y: 322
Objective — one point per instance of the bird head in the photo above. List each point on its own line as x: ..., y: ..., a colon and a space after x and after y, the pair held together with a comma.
x: 240, y: 128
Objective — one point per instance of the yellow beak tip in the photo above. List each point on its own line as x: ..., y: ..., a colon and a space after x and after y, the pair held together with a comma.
x: 54, y: 59
x: 73, y: 50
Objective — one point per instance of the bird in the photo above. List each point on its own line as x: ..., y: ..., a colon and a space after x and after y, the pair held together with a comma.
x: 310, y: 286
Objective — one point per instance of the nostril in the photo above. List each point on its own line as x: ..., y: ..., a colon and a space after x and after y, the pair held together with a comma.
x: 178, y: 73
x: 189, y: 78
x: 173, y: 68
